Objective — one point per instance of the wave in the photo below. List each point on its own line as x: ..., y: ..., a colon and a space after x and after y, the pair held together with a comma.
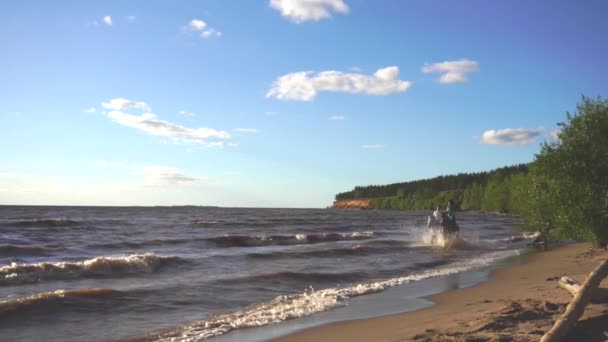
x: 42, y: 222
x: 8, y: 250
x: 100, y: 266
x: 297, y: 277
x: 146, y: 243
x: 357, y: 249
x: 287, y: 307
x: 11, y: 305
x: 296, y: 239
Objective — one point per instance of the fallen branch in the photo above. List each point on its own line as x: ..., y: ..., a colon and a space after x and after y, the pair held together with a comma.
x: 570, y: 285
x: 577, y: 306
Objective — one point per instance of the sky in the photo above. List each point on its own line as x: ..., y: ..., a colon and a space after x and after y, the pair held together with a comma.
x: 280, y: 103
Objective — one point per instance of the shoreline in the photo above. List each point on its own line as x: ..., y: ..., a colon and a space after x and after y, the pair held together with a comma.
x: 517, y: 302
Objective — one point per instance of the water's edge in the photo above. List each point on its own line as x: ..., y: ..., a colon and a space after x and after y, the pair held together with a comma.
x: 394, y: 301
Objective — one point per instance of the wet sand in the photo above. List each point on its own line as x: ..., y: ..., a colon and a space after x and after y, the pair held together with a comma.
x: 518, y: 303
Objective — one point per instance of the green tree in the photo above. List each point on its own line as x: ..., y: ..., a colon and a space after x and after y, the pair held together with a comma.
x: 576, y: 168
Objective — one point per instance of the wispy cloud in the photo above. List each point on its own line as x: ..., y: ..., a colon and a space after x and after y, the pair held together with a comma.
x: 511, y: 136
x: 163, y: 176
x: 149, y: 123
x: 452, y: 71
x: 304, y: 86
x: 271, y: 113
x: 154, y: 175
x: 8, y: 174
x: 201, y: 28
x: 306, y: 10
x: 122, y: 104
x: 107, y: 20
x: 373, y: 146
x: 131, y: 18
x: 246, y: 130
x: 336, y: 118
x: 91, y: 110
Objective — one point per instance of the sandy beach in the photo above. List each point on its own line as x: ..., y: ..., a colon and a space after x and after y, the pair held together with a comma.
x: 518, y: 303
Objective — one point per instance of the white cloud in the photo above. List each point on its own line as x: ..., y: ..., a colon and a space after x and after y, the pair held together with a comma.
x: 91, y: 110
x: 452, y: 71
x: 107, y: 20
x: 131, y: 18
x: 246, y: 130
x: 148, y: 123
x: 510, y: 136
x: 304, y: 86
x: 232, y: 144
x: 304, y: 10
x: 336, y: 118
x: 153, y: 175
x: 122, y: 104
x: 163, y: 176
x: 8, y: 174
x: 202, y: 29
x: 373, y: 146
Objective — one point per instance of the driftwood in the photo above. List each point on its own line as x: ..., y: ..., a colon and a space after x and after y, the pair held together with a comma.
x: 577, y: 306
x: 570, y: 285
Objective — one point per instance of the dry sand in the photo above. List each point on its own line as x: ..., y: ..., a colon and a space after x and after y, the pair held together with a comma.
x: 519, y: 303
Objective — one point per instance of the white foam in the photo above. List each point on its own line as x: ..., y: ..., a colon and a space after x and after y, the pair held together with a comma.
x: 311, y: 301
x: 19, y: 273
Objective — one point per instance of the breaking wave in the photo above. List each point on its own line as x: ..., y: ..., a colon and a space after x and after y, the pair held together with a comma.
x: 297, y: 239
x: 22, y: 273
x: 287, y: 307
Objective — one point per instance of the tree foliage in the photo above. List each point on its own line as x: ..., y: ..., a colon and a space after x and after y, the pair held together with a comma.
x: 575, y: 168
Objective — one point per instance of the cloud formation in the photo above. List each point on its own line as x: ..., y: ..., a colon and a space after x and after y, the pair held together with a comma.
x: 122, y: 104
x: 91, y: 110
x: 304, y: 86
x: 299, y: 11
x: 201, y: 28
x: 154, y: 176
x: 107, y: 20
x: 163, y: 176
x: 511, y: 136
x: 452, y: 71
x: 336, y: 118
x: 149, y: 123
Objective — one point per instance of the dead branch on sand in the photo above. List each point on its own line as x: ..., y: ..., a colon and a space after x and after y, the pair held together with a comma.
x: 577, y: 306
x: 570, y: 285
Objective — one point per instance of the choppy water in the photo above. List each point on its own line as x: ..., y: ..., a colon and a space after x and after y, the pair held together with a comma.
x: 189, y: 273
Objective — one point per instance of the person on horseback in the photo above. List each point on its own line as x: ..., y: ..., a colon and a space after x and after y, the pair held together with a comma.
x: 450, y: 218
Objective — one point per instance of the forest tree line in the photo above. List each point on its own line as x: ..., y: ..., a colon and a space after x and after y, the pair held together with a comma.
x: 562, y: 193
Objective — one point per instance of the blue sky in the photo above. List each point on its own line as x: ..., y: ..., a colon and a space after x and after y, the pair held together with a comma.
x: 280, y: 103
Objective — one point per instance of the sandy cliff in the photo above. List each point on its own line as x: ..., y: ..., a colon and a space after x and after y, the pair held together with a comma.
x: 352, y: 204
